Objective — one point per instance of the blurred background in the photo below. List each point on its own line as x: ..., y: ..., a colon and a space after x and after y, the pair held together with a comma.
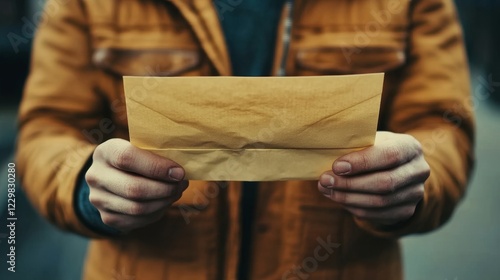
x: 467, y: 247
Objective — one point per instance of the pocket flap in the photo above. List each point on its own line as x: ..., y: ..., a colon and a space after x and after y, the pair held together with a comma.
x: 352, y: 61
x: 147, y: 62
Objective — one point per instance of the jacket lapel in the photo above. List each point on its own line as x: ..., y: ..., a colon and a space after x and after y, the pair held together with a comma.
x: 203, y: 18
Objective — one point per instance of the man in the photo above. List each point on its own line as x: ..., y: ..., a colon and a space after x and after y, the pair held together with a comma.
x: 80, y: 171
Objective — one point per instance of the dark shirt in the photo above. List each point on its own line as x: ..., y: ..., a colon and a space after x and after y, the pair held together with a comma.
x: 250, y: 30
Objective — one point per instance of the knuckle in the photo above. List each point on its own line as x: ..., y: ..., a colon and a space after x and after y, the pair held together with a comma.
x: 90, y: 177
x: 421, y: 170
x: 426, y: 169
x: 386, y: 183
x: 94, y: 199
x: 133, y: 191
x: 99, y: 151
x: 392, y: 154
x: 123, y: 158
x: 421, y: 189
x: 407, y: 212
x: 417, y: 146
x: 380, y: 201
x: 137, y: 209
x: 102, y: 149
x: 362, y: 160
x: 109, y: 220
x: 419, y: 192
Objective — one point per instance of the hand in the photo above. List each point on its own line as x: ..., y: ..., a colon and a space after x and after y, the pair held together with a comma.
x: 131, y: 187
x: 383, y: 183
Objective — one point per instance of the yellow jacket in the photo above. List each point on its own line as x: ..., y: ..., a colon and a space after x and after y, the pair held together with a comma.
x: 73, y: 100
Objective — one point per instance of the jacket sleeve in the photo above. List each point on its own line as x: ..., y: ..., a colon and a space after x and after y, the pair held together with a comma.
x: 432, y: 102
x: 60, y: 104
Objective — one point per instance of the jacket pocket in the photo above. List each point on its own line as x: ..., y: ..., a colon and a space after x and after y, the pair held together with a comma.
x: 344, y: 52
x: 333, y: 60
x: 146, y: 62
x: 113, y: 62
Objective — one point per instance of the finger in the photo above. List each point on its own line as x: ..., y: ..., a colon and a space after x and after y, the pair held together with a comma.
x: 131, y: 186
x: 384, y: 216
x: 383, y: 155
x: 381, y: 182
x: 124, y: 156
x: 409, y: 194
x: 125, y: 223
x: 109, y: 202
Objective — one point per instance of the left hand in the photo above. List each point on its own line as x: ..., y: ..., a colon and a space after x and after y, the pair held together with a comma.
x: 383, y: 183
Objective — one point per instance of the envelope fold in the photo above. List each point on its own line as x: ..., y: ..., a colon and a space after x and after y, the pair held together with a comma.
x: 253, y: 164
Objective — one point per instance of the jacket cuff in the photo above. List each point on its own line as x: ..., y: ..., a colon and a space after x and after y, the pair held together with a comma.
x: 86, y: 212
x: 69, y: 176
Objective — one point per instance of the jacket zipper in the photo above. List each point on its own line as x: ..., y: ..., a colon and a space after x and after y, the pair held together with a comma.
x: 286, y: 38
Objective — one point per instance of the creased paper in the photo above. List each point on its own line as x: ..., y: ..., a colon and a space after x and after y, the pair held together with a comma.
x: 253, y: 128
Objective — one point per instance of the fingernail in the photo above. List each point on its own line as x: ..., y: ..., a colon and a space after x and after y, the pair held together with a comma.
x: 342, y: 168
x: 176, y: 173
x: 327, y: 180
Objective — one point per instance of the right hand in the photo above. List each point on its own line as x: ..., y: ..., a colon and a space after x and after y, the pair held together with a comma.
x: 130, y: 187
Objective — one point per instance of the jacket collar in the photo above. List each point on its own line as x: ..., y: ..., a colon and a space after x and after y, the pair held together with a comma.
x: 204, y: 20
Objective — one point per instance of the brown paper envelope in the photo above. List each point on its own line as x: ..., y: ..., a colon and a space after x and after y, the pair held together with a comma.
x: 253, y: 128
